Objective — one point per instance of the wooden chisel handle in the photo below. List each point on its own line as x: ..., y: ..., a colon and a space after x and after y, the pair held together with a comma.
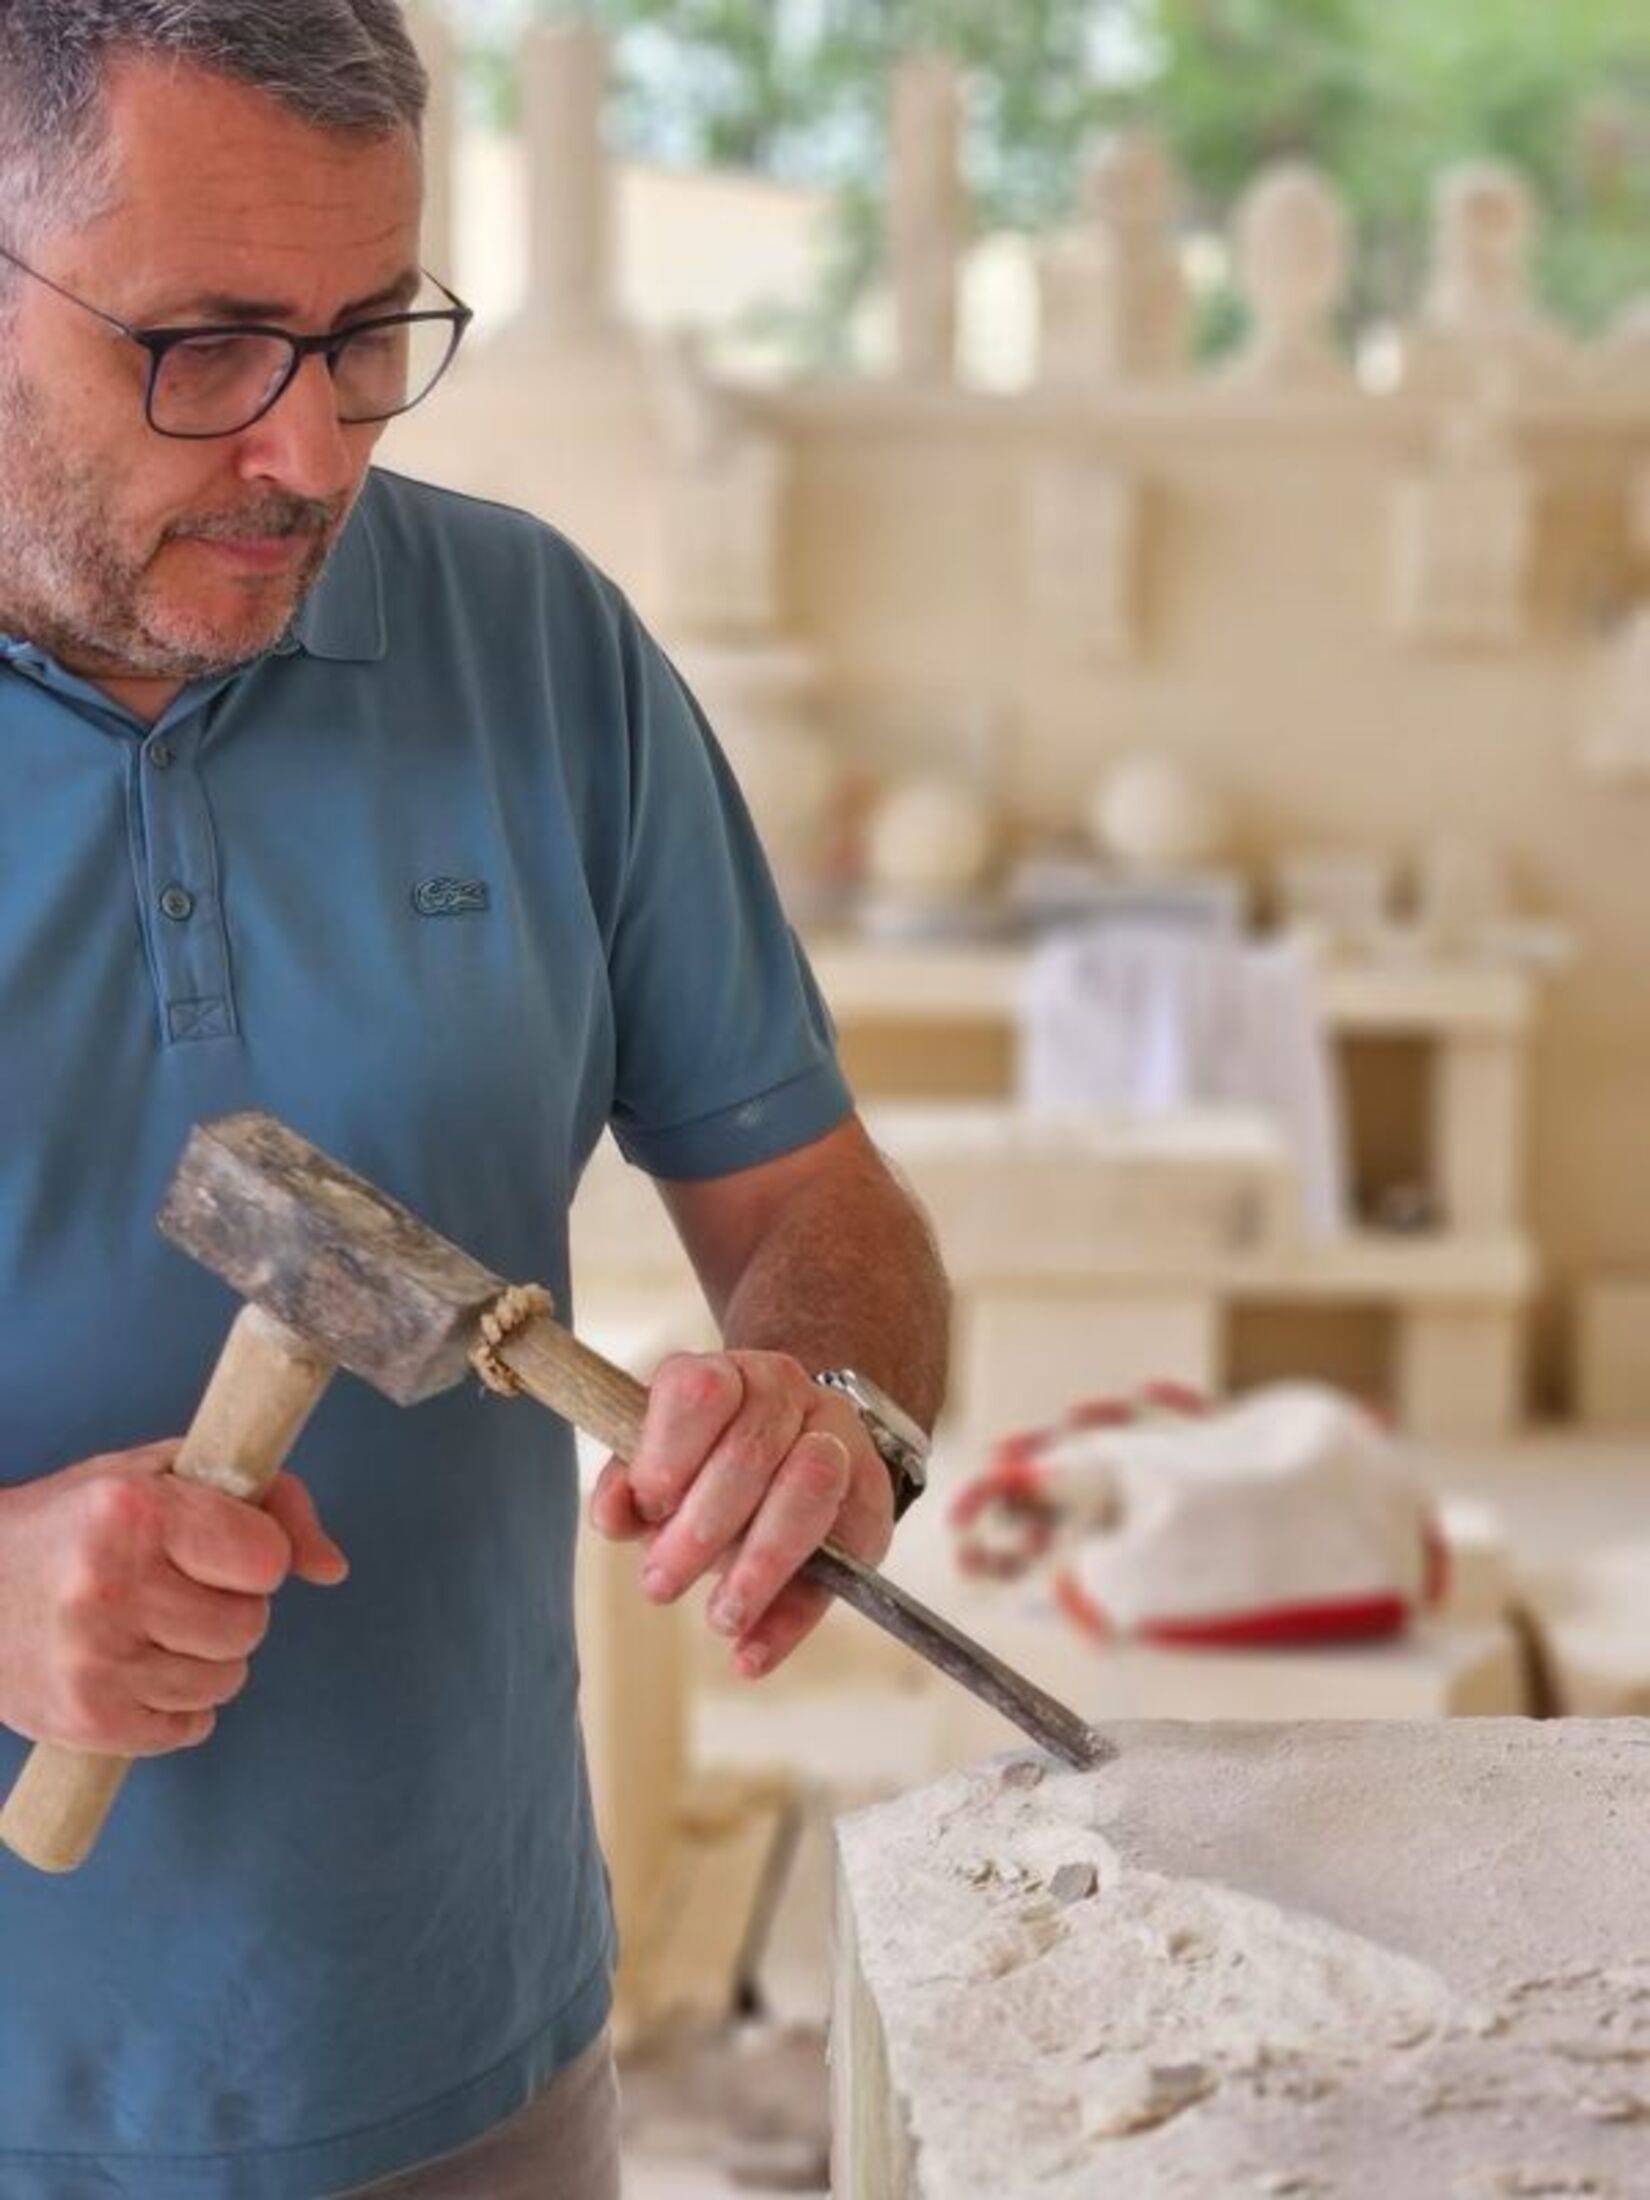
x: 264, y: 1388
x: 608, y: 1404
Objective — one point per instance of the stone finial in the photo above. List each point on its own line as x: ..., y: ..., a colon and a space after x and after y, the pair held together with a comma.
x: 1480, y: 332
x: 1115, y: 302
x: 928, y: 213
x: 564, y: 68
x: 1293, y: 256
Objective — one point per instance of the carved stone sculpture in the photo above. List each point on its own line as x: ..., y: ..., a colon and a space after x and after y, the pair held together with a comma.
x: 763, y: 698
x: 1463, y: 539
x: 721, y: 502
x: 1481, y: 335
x: 928, y: 214
x: 1292, y: 255
x: 1115, y: 304
x: 1084, y: 525
x: 1151, y: 812
x: 931, y: 839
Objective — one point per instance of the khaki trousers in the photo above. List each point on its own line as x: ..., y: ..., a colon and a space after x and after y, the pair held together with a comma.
x: 564, y: 2145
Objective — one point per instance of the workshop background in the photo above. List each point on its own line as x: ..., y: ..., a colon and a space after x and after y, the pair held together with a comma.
x: 1154, y: 496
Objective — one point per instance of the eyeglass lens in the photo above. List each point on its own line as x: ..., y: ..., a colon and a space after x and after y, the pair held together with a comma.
x: 215, y: 384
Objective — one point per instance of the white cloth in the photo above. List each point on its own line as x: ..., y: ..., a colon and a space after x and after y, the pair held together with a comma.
x: 1139, y: 1019
x: 1294, y: 1497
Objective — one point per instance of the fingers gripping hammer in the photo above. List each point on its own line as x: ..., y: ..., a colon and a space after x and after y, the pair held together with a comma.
x: 336, y: 1274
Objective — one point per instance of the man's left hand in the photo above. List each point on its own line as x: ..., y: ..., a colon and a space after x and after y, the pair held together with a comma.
x: 745, y: 1467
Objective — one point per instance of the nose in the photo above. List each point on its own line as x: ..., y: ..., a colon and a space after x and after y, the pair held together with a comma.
x: 300, y: 445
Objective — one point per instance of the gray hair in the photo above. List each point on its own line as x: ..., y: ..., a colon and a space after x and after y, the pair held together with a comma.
x: 338, y: 64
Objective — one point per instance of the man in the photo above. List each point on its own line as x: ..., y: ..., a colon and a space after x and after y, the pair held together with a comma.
x: 346, y: 798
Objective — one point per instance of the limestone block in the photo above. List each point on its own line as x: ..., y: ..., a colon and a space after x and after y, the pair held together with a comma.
x: 1612, y: 1351
x: 1463, y: 541
x: 1024, y: 1200
x: 1479, y: 1588
x: 620, y: 1233
x: 1462, y: 892
x: 1341, y: 896
x: 1592, y: 1622
x: 1478, y: 1092
x: 1332, y: 1959
x: 1460, y: 1369
x: 1023, y: 1354
x: 763, y: 698
x: 632, y: 1653
x: 722, y: 502
x: 1085, y: 530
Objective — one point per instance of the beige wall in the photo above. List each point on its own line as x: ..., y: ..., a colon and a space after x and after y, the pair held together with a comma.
x: 1267, y: 659
x: 1265, y: 653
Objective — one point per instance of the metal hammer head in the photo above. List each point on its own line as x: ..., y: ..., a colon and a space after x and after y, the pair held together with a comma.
x: 329, y: 1254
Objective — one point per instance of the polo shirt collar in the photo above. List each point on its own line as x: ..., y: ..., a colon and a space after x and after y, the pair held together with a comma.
x: 342, y: 619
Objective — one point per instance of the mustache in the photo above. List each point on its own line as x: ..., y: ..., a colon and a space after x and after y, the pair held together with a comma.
x: 275, y: 518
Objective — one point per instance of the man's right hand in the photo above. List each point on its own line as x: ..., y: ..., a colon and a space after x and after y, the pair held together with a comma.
x: 130, y: 1602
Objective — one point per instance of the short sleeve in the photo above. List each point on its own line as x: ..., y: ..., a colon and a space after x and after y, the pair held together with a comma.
x: 725, y: 1052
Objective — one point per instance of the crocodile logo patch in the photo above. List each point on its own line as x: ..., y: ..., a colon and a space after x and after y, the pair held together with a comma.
x: 452, y: 897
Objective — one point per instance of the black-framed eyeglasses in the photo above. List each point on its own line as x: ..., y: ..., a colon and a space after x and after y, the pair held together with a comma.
x: 207, y: 381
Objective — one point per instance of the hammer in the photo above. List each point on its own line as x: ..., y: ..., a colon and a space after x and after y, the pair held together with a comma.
x: 338, y: 1274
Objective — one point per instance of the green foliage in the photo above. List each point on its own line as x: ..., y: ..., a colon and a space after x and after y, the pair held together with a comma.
x: 1381, y: 93
x: 1385, y: 93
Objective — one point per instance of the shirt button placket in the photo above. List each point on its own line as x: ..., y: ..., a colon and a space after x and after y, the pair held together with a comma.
x: 191, y: 953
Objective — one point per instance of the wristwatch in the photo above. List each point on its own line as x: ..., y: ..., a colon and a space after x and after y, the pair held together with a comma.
x: 901, y: 1443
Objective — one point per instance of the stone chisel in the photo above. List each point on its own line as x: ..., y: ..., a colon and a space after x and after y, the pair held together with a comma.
x: 336, y: 1274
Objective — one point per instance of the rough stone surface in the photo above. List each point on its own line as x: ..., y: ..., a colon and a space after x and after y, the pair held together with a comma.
x: 1344, y: 1960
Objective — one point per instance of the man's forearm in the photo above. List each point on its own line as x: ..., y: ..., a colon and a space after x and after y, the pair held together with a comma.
x: 847, y: 1275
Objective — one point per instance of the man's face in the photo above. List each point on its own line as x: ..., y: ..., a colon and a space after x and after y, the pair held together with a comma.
x: 125, y: 553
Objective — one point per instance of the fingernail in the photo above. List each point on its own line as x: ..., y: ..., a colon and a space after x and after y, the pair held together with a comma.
x: 656, y: 1581
x: 652, y: 1510
x: 727, y: 1614
x: 753, y: 1663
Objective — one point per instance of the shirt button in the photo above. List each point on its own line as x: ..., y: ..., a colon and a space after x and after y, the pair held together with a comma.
x: 178, y: 903
x: 160, y: 755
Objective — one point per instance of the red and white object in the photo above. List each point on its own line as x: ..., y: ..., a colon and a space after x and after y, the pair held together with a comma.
x: 1290, y: 1516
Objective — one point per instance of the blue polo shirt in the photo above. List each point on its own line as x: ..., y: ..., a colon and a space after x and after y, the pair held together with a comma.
x: 451, y: 880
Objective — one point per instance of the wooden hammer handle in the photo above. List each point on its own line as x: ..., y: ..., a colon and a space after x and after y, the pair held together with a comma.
x: 266, y: 1384
x: 587, y: 1390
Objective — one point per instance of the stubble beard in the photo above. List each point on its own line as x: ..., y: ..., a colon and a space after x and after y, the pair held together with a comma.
x: 72, y: 588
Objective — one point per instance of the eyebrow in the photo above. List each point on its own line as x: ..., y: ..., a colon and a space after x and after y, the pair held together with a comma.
x: 219, y: 305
